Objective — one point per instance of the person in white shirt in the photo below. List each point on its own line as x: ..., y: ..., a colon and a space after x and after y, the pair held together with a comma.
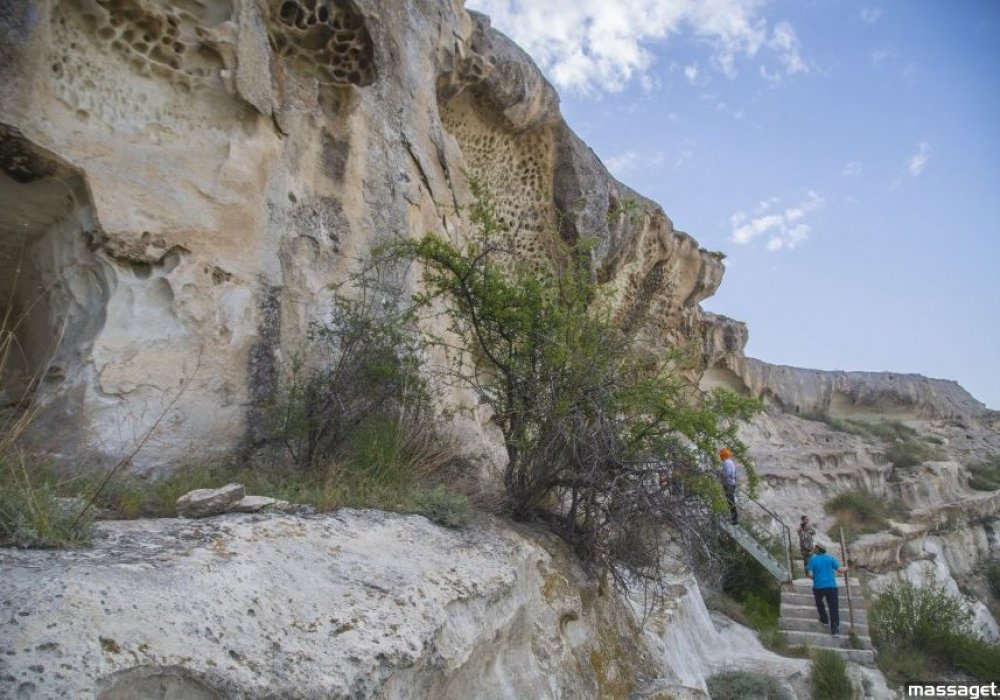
x: 728, y: 475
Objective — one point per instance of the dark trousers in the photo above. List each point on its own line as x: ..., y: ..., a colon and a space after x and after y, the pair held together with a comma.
x: 829, y: 596
x: 731, y: 497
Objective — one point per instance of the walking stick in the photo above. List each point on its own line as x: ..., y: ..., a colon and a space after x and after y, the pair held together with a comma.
x: 847, y: 583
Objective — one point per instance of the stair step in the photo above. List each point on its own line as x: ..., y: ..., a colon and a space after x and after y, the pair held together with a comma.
x: 808, y: 612
x: 799, y: 624
x: 807, y: 582
x: 866, y: 657
x: 796, y: 598
x: 825, y: 640
x: 856, y: 591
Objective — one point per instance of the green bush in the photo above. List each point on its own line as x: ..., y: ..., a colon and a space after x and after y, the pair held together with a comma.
x: 906, y: 615
x: 828, y: 678
x: 928, y: 629
x: 970, y: 654
x: 905, y: 446
x: 885, y: 430
x: 750, y: 595
x: 746, y: 685
x: 360, y: 363
x: 992, y: 572
x: 32, y: 513
x: 985, y: 475
x: 743, y: 577
x: 762, y: 611
x: 861, y: 512
x: 909, y: 453
x: 443, y: 506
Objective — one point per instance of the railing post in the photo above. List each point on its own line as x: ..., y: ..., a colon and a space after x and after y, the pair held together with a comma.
x: 788, y: 551
x: 847, y: 581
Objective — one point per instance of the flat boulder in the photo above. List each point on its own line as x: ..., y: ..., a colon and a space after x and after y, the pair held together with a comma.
x: 204, y: 503
x: 255, y: 504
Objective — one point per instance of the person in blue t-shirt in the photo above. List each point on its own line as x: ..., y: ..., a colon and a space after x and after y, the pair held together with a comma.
x: 823, y: 569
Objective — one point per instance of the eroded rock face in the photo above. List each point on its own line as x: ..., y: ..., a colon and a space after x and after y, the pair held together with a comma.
x: 215, y: 166
x: 347, y: 605
x: 808, y: 448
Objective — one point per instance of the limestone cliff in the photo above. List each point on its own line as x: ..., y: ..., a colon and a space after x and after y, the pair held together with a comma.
x: 181, y: 183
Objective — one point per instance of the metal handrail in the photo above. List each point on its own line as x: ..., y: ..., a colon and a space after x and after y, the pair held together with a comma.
x: 787, y: 530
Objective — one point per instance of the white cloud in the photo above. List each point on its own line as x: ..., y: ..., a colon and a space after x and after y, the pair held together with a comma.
x: 627, y: 161
x: 596, y: 45
x: 622, y: 163
x: 852, y: 169
x: 786, y: 44
x: 870, y: 15
x: 691, y: 73
x: 785, y: 230
x: 682, y: 158
x: 755, y: 227
x: 889, y: 58
x: 918, y: 161
x: 721, y: 105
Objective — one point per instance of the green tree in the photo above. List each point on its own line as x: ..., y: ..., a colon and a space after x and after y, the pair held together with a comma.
x: 603, y: 441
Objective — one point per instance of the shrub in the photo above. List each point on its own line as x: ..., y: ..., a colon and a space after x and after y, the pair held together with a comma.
x: 828, y: 678
x: 400, y: 465
x: 443, y: 506
x: 361, y: 362
x: 860, y: 512
x: 749, y: 583
x: 762, y: 611
x: 909, y: 453
x: 354, y: 413
x: 905, y: 447
x: 930, y: 630
x: 905, y: 614
x: 591, y: 425
x: 992, y: 572
x: 985, y: 475
x: 746, y: 685
x: 32, y: 514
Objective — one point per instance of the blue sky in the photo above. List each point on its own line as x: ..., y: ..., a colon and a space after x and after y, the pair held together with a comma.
x: 845, y: 156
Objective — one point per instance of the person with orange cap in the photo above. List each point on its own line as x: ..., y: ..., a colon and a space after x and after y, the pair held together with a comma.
x: 728, y: 475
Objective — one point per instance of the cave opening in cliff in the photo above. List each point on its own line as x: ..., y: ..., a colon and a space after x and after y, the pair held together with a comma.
x: 52, y: 287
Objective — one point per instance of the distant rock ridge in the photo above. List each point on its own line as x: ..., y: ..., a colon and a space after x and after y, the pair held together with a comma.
x: 835, y: 392
x: 832, y: 392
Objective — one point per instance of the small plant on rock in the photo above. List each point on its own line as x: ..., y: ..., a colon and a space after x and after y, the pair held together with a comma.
x: 745, y: 685
x: 861, y: 512
x: 985, y: 475
x: 828, y: 679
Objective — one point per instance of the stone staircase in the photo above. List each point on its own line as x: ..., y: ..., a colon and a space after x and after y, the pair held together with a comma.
x: 800, y: 621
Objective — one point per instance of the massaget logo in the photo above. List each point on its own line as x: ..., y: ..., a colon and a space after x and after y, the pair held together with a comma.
x: 952, y: 690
